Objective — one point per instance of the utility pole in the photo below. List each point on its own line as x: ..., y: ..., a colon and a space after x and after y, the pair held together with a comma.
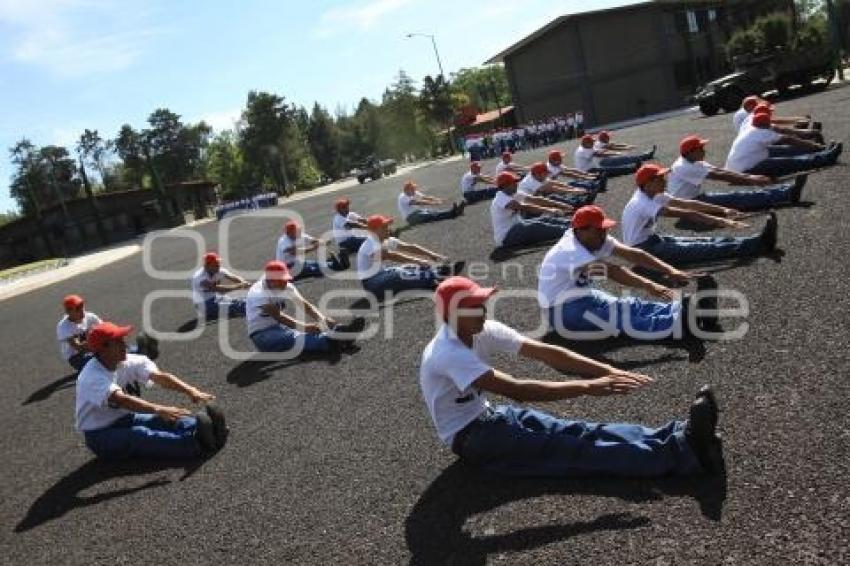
x: 445, y: 83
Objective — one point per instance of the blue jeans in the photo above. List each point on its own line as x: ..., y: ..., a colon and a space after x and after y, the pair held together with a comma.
x: 616, y: 170
x: 677, y: 250
x: 515, y: 441
x: 214, y: 305
x: 398, y: 278
x: 630, y: 315
x: 145, y: 436
x: 750, y: 199
x: 575, y: 200
x: 532, y: 231
x: 280, y: 338
x: 79, y: 360
x: 477, y: 195
x: 312, y: 268
x: 781, y: 166
x: 787, y: 151
x: 423, y: 216
x: 584, y: 184
x: 351, y: 244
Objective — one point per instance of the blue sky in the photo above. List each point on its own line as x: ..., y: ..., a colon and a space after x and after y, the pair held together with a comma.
x: 67, y: 65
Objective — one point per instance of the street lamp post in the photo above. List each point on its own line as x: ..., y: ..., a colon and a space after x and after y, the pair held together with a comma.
x: 440, y: 66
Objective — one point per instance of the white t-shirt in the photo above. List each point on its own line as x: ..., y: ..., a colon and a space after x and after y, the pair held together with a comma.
x: 259, y: 296
x: 449, y: 369
x: 738, y: 118
x: 529, y: 185
x: 750, y: 148
x: 685, y: 177
x: 503, y: 218
x: 199, y: 294
x: 640, y: 215
x: 369, y: 255
x: 405, y: 208
x: 501, y: 166
x: 96, y: 383
x: 340, y: 232
x: 467, y: 182
x: 66, y: 329
x: 285, y: 243
x: 599, y: 145
x: 585, y: 158
x: 554, y: 170
x: 563, y: 268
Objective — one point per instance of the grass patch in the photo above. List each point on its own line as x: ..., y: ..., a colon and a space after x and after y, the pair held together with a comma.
x: 36, y: 266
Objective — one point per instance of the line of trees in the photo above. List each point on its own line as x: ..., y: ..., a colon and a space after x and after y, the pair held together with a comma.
x: 275, y: 145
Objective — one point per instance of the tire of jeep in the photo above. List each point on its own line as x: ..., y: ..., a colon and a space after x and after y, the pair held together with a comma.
x: 709, y: 106
x: 731, y: 99
x: 361, y: 180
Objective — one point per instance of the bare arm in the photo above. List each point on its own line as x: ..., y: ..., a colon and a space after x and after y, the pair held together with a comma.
x: 505, y: 385
x: 734, y: 178
x: 629, y: 278
x: 532, y: 208
x: 174, y: 383
x: 139, y: 405
x: 563, y: 359
x: 414, y: 249
x: 401, y: 257
x: 797, y: 142
x: 700, y: 217
x: 639, y: 257
x: 547, y: 203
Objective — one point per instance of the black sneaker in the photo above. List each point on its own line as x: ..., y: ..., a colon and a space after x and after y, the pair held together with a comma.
x: 205, y: 433
x: 797, y: 188
x: 344, y: 260
x: 458, y: 208
x: 707, y: 321
x: 356, y: 325
x: 652, y: 153
x: 769, y: 234
x: 147, y: 345
x: 701, y: 435
x: 219, y: 423
x: 706, y: 392
x: 818, y: 126
x: 457, y: 267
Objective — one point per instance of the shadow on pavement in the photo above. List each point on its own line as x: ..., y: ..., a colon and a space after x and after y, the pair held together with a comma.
x: 67, y: 494
x: 435, y: 528
x: 65, y: 382
x: 596, y: 349
x: 251, y: 372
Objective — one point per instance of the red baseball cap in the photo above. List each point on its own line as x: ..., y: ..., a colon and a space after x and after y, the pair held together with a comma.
x: 648, y: 172
x: 103, y: 332
x: 459, y: 292
x: 505, y: 179
x: 475, y: 166
x: 341, y: 203
x: 277, y: 271
x: 377, y: 221
x: 409, y: 185
x: 586, y: 138
x: 750, y: 102
x: 762, y: 107
x: 72, y: 301
x: 555, y: 155
x: 507, y: 154
x: 761, y: 120
x: 291, y: 227
x: 592, y: 216
x: 211, y: 258
x: 691, y: 143
x: 604, y: 136
x: 539, y: 168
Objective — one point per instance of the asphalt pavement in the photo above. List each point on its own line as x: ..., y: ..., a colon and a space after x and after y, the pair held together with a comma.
x: 339, y: 463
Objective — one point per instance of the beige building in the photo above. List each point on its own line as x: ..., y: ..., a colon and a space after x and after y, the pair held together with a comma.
x: 625, y: 62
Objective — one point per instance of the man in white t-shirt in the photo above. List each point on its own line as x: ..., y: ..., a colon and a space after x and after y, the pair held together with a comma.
x: 348, y: 227
x: 457, y: 371
x: 473, y: 177
x: 272, y: 330
x: 412, y: 199
x: 550, y: 193
x: 209, y: 285
x: 801, y: 125
x: 688, y: 172
x: 72, y: 330
x: 579, y: 124
x: 292, y: 246
x: 590, y: 160
x: 510, y: 230
x: 507, y: 164
x: 118, y: 425
x: 604, y: 142
x: 574, y: 307
x: 420, y: 268
x: 650, y: 201
x: 750, y: 152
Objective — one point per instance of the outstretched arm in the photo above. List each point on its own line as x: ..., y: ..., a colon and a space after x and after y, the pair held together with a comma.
x: 629, y: 278
x: 174, y: 383
x: 563, y: 359
x: 503, y: 384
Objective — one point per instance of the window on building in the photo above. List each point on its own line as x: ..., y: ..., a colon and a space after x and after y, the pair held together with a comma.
x: 692, y: 22
x: 712, y: 15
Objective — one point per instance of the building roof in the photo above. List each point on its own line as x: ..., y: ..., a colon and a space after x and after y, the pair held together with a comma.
x: 499, y: 57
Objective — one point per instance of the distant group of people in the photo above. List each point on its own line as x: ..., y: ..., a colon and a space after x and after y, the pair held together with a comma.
x: 529, y: 204
x: 524, y: 137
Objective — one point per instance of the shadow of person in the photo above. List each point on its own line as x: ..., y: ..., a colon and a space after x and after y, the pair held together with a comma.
x: 502, y: 253
x: 596, y: 349
x: 65, y: 382
x: 435, y: 533
x: 68, y: 493
x: 251, y: 372
x: 188, y: 326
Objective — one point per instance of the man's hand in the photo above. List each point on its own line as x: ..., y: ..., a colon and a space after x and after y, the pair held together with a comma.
x: 683, y: 276
x: 729, y: 223
x: 761, y: 180
x: 245, y: 285
x: 312, y: 328
x: 198, y: 396
x: 615, y: 384
x: 734, y: 214
x: 662, y: 292
x: 329, y: 322
x: 171, y: 414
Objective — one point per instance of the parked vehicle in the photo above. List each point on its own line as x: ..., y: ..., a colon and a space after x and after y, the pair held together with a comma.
x: 760, y: 73
x: 374, y: 168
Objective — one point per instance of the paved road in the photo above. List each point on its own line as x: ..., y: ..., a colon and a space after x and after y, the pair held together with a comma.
x: 339, y: 463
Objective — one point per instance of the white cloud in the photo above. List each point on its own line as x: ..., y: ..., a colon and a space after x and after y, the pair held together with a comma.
x: 361, y: 17
x: 59, y: 35
x: 220, y: 121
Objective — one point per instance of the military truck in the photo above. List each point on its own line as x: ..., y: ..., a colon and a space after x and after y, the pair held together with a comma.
x: 374, y: 168
x: 760, y: 73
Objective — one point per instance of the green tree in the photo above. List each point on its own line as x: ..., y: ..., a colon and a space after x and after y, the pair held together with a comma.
x: 94, y: 151
x: 225, y: 165
x: 485, y: 87
x: 324, y: 138
x: 129, y: 147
